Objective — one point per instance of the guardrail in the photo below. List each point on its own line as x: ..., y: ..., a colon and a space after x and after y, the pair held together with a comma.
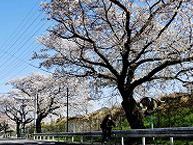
x: 180, y: 132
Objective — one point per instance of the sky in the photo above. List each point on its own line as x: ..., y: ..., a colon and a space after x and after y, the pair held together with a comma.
x: 21, y: 21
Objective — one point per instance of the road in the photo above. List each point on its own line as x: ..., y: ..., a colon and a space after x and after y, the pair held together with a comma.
x: 33, y: 142
x: 24, y: 142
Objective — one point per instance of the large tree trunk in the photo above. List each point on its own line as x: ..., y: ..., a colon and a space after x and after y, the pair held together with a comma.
x: 17, y: 129
x: 132, y: 109
x: 134, y: 117
x: 133, y: 114
x: 38, y: 126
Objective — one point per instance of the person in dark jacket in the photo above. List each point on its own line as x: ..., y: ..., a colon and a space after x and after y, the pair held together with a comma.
x: 106, y: 126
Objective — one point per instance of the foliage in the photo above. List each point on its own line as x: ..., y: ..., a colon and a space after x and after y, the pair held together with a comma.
x: 184, y: 118
x: 46, y: 95
x: 59, y: 126
x: 119, y: 44
x: 16, y: 110
x: 159, y: 141
x: 123, y: 125
x: 41, y: 90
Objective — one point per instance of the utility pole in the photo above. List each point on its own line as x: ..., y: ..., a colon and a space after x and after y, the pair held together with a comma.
x: 35, y: 111
x: 67, y: 110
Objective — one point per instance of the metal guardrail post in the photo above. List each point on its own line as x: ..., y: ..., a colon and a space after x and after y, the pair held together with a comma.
x: 92, y: 140
x: 122, y: 140
x: 81, y: 139
x: 143, y: 140
x: 171, y: 140
x: 58, y: 138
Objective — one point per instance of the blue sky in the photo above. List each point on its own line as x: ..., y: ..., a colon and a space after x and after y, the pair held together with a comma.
x: 20, y: 22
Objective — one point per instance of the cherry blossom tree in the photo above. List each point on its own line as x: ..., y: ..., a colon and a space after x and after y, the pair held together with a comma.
x: 43, y: 91
x: 48, y: 95
x: 12, y: 109
x: 120, y: 43
x: 80, y: 102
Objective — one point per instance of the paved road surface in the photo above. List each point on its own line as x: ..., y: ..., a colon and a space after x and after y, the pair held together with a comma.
x: 24, y: 142
x: 33, y: 142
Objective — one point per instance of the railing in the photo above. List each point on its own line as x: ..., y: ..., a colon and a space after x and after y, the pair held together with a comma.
x: 180, y: 132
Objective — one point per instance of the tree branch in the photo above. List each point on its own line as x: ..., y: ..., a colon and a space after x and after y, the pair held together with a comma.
x: 159, y: 68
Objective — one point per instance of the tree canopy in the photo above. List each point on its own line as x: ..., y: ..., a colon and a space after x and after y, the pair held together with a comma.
x: 122, y: 43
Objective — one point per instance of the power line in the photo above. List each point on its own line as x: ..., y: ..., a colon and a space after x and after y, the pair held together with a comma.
x: 15, y: 66
x: 29, y: 64
x: 12, y: 55
x: 24, y: 43
x: 7, y: 71
x: 14, y: 43
x: 20, y: 25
